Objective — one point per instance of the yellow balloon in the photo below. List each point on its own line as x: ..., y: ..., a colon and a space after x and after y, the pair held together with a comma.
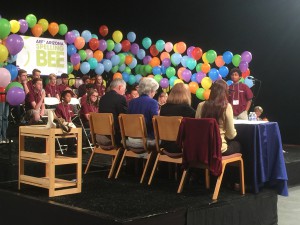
x: 14, y: 26
x: 117, y: 36
x: 177, y: 81
x: 44, y: 23
x: 72, y: 79
x: 206, y: 83
x: 104, y: 83
x: 204, y: 58
x: 3, y: 53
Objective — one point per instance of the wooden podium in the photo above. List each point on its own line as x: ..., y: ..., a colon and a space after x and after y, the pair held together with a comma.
x: 49, y: 157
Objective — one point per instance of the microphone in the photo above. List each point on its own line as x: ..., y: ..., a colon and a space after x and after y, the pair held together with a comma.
x: 252, y: 78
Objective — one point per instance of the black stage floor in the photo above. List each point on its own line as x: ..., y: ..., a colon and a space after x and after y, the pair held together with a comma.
x: 125, y: 201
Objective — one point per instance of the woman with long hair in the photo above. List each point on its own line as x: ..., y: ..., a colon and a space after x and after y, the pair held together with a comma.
x: 90, y: 105
x: 218, y: 107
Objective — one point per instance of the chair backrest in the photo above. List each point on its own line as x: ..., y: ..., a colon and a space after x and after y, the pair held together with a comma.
x: 166, y: 127
x: 134, y: 126
x: 51, y: 101
x: 102, y: 124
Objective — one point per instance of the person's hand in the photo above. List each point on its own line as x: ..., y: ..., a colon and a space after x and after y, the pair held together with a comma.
x: 43, y: 93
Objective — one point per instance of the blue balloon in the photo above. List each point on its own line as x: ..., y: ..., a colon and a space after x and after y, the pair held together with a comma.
x: 213, y: 74
x: 249, y: 82
x: 138, y: 77
x: 99, y: 69
x: 184, y: 60
x: 156, y: 70
x: 176, y: 58
x: 125, y: 77
x: 227, y: 57
x: 122, y: 67
x: 71, y: 49
x: 13, y: 71
x: 223, y: 70
x: 115, y: 60
x: 76, y: 33
x: 87, y: 35
x: 229, y: 82
x: 193, y: 77
x: 163, y: 70
x: 118, y: 47
x: 131, y: 36
x: 85, y: 67
x: 107, y: 65
x: 141, y: 54
x: 12, y: 58
x: 133, y: 63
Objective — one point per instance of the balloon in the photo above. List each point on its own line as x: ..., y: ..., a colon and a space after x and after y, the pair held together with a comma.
x: 128, y: 59
x: 133, y: 63
x: 158, y: 78
x: 227, y: 57
x: 70, y: 37
x: 37, y: 30
x: 219, y: 61
x: 186, y: 75
x: 199, y: 76
x: 110, y: 45
x: 95, y: 36
x: 31, y: 20
x: 168, y: 46
x: 204, y: 59
x: 199, y: 93
x: 193, y: 86
x: 170, y: 72
x: 117, y: 76
x: 131, y: 79
x: 125, y: 45
x: 99, y: 68
x: 141, y: 54
x: 3, y: 54
x: 243, y: 66
x: 146, y: 42
x: 246, y: 73
x: 89, y: 54
x: 14, y: 26
x: 63, y: 29
x: 211, y: 56
x: 206, y: 94
x: 70, y: 67
x: 179, y: 72
x: 156, y: 70
x: 13, y: 58
x: 15, y: 96
x: 223, y: 70
x: 13, y: 84
x: 85, y: 67
x: 103, y: 30
x: 205, y: 67
x: 160, y: 45
x: 164, y: 55
x: 177, y: 81
x: 102, y: 45
x: 117, y: 36
x: 172, y: 80
x: 109, y: 54
x: 134, y: 48
x: 98, y: 55
x: 206, y: 82
x: 72, y: 79
x: 13, y: 70
x: 76, y: 33
x: 71, y: 50
x: 107, y: 65
x: 198, y: 67
x: 94, y: 44
x: 131, y: 36
x: 197, y: 53
x: 79, y: 42
x: 76, y: 67
x: 164, y: 83
x: 117, y: 48
x: 246, y: 56
x: 189, y: 51
x: 4, y: 28
x: 93, y: 63
x: 181, y: 47
x: 23, y: 26
x: 125, y: 76
x: 191, y: 63
x: 14, y: 44
x: 166, y: 62
x: 146, y: 59
x: 53, y: 28
x: 176, y: 58
x: 154, y: 62
x: 249, y: 82
x: 236, y: 59
x: 115, y: 60
x: 75, y: 59
x: 44, y: 23
x: 213, y: 74
x: 82, y: 54
x: 87, y: 35
x: 5, y: 77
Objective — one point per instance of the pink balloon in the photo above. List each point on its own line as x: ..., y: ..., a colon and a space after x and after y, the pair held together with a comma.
x: 4, y: 77
x: 168, y: 46
x: 14, y: 44
x: 89, y: 54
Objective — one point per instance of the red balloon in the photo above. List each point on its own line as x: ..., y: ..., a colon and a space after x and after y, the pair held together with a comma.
x: 94, y: 44
x: 103, y: 30
x: 153, y: 50
x: 125, y: 45
x: 197, y: 53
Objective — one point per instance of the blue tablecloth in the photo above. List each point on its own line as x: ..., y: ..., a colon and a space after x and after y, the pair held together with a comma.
x: 263, y: 156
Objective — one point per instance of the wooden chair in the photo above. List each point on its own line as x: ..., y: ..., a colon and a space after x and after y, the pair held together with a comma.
x: 134, y: 126
x: 165, y: 129
x: 103, y: 124
x: 207, y: 133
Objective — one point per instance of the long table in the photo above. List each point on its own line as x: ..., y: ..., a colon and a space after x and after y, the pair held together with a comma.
x: 263, y: 156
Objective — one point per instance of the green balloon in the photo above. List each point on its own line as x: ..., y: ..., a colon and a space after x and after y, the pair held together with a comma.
x: 70, y: 67
x: 110, y: 45
x: 211, y: 55
x: 170, y: 72
x: 236, y: 59
x: 199, y: 93
x: 63, y: 29
x: 31, y: 20
x: 122, y: 58
x: 4, y: 28
x: 158, y: 78
x: 115, y: 69
x: 82, y: 54
x: 148, y: 68
x: 198, y: 67
x: 127, y: 70
x: 13, y: 84
x: 137, y: 69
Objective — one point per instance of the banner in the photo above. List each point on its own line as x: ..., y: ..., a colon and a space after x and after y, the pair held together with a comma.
x: 47, y: 55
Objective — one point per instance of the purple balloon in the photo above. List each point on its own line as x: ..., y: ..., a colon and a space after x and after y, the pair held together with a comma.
x: 166, y: 62
x: 243, y: 66
x: 189, y: 51
x: 199, y: 76
x: 147, y: 59
x: 14, y: 44
x: 102, y: 45
x: 164, y: 83
x: 134, y: 48
x: 23, y: 26
x: 109, y: 54
x: 70, y: 37
x: 15, y: 96
x: 186, y: 75
x: 246, y: 56
x: 75, y: 59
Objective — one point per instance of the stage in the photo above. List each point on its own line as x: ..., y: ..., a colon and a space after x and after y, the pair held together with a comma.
x: 126, y: 201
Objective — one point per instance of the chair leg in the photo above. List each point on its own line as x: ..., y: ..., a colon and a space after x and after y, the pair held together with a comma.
x: 120, y: 165
x: 154, y: 169
x: 113, y: 165
x: 242, y: 181
x: 89, y: 162
x: 207, y: 179
x: 146, y: 167
x: 218, y: 183
x: 182, y: 181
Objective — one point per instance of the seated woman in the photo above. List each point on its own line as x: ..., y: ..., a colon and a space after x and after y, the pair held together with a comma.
x: 258, y: 111
x: 178, y: 104
x: 90, y: 105
x: 218, y: 107
x: 146, y: 105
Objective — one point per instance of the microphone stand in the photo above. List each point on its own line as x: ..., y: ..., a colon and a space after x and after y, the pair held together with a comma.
x: 258, y: 90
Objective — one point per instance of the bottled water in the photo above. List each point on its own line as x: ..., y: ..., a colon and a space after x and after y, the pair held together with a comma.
x: 252, y: 116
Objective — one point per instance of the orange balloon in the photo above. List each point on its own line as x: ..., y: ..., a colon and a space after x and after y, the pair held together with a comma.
x: 37, y: 30
x: 164, y: 55
x: 76, y: 67
x: 79, y: 42
x: 153, y: 50
x: 181, y: 47
x: 117, y: 75
x: 154, y: 62
x: 206, y: 94
x: 219, y: 61
x: 205, y: 67
x: 98, y: 55
x: 150, y: 75
x: 53, y: 28
x: 193, y: 87
x: 128, y: 59
x: 179, y: 72
x: 246, y: 73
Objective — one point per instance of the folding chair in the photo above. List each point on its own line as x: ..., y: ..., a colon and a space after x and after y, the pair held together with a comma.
x: 134, y: 126
x: 165, y: 129
x: 103, y: 124
x: 76, y: 107
x: 201, y: 142
x: 87, y: 134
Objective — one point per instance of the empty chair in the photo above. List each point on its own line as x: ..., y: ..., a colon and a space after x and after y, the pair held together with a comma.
x: 201, y: 143
x: 134, y: 126
x: 102, y: 125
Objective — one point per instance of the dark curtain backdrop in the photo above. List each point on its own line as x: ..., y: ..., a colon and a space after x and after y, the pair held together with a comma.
x: 269, y: 29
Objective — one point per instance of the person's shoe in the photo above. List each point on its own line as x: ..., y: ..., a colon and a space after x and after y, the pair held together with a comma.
x: 9, y: 141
